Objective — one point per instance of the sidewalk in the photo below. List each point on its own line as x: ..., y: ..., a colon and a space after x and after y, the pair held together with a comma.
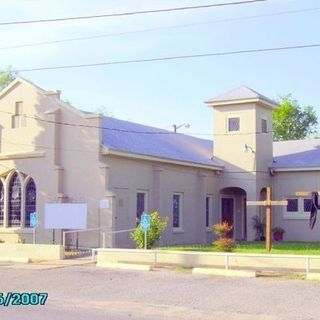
x: 45, y: 265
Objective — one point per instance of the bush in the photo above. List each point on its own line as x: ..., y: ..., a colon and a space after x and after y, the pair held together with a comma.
x: 221, y: 229
x: 1, y: 241
x: 225, y: 244
x: 259, y: 226
x: 157, y: 227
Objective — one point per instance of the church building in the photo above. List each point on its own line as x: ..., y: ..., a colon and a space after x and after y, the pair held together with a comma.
x: 51, y: 152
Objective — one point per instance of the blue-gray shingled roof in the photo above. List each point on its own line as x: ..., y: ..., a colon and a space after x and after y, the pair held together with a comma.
x: 129, y: 137
x: 296, y: 154
x: 241, y: 93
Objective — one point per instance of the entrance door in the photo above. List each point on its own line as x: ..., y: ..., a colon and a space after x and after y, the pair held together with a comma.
x: 227, y: 207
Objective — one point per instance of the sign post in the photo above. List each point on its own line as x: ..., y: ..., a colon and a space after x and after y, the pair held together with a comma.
x: 34, y: 222
x: 145, y: 226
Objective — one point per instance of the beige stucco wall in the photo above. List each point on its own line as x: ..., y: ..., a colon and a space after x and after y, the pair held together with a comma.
x: 65, y: 163
x: 285, y: 184
x: 160, y: 181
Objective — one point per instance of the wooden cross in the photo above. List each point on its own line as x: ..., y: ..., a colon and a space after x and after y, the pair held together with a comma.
x: 268, y: 203
x: 304, y: 194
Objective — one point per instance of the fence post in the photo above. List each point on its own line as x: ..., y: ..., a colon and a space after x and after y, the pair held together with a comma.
x: 308, y: 265
x: 155, y: 259
x: 227, y: 262
x: 104, y: 239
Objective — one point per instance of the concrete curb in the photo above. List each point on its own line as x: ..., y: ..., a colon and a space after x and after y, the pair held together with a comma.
x: 224, y: 272
x: 313, y: 276
x: 124, y: 266
x: 14, y: 259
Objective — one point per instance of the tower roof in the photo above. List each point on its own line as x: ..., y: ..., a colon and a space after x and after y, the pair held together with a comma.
x: 241, y: 94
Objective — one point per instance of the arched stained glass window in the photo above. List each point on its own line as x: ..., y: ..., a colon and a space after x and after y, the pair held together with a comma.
x: 14, y: 219
x: 31, y: 197
x: 1, y: 203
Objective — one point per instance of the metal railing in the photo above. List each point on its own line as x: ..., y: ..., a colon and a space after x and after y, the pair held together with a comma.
x: 226, y: 256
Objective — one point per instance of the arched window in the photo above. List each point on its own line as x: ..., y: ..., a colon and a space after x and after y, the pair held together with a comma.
x: 31, y: 195
x: 1, y: 203
x: 14, y: 218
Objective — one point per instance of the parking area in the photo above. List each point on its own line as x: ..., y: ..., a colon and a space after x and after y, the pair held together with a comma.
x: 87, y: 292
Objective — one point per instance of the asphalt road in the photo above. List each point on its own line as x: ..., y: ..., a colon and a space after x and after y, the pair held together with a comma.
x: 88, y: 292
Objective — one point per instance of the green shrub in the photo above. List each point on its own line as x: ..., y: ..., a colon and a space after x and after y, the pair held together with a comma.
x: 221, y: 229
x: 225, y: 244
x: 157, y: 227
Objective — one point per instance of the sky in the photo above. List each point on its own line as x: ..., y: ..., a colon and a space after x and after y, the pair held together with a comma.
x: 164, y: 93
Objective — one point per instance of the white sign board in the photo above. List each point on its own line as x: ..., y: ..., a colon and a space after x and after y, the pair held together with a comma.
x: 104, y: 204
x: 65, y: 216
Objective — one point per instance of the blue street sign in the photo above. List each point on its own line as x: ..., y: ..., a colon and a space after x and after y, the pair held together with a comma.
x: 145, y: 222
x: 34, y: 219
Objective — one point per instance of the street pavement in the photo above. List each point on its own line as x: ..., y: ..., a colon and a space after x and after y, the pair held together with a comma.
x: 87, y: 292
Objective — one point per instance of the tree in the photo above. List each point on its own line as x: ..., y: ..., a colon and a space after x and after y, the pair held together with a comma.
x: 6, y: 77
x: 291, y: 122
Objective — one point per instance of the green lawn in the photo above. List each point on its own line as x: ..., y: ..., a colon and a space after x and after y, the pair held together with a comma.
x: 307, y: 248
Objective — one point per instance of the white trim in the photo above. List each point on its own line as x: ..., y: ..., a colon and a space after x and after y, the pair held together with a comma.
x: 296, y: 215
x: 181, y: 209
x: 108, y: 151
x: 23, y: 155
x: 264, y: 103
x: 294, y: 169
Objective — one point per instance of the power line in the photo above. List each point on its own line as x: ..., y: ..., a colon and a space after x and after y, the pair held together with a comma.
x: 154, y: 29
x: 162, y: 132
x: 121, y: 14
x: 203, y: 55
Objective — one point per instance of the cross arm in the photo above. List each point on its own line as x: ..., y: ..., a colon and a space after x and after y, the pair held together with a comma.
x: 304, y: 193
x: 268, y: 203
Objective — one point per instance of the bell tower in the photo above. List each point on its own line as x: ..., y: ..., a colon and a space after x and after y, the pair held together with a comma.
x: 242, y: 134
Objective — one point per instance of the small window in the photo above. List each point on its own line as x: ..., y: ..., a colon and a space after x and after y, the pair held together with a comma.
x: 208, y: 210
x: 177, y: 211
x: 18, y: 119
x: 292, y: 205
x: 15, y: 121
x: 307, y: 203
x: 19, y: 108
x: 141, y: 203
x: 264, y: 128
x: 233, y: 124
x: 30, y: 201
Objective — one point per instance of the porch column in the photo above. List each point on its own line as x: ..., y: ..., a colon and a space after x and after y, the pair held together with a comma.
x: 200, y: 209
x: 107, y: 210
x: 251, y: 212
x: 107, y: 213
